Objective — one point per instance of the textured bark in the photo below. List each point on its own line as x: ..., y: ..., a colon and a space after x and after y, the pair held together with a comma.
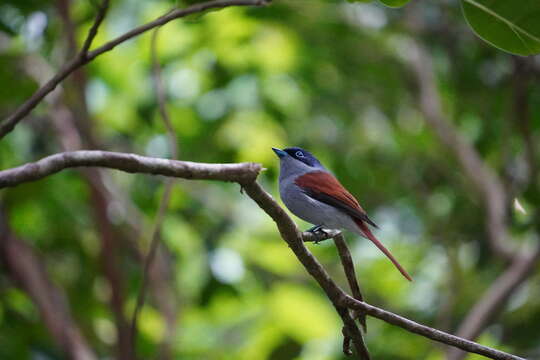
x: 131, y: 163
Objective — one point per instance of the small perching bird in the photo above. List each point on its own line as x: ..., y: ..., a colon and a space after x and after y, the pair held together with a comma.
x: 313, y: 194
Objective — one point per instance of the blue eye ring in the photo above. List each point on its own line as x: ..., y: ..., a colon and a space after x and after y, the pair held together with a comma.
x: 299, y: 154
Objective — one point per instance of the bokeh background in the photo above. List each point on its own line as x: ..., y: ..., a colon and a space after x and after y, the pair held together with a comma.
x: 329, y: 76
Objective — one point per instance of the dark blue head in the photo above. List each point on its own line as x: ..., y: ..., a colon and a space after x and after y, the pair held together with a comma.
x: 299, y: 154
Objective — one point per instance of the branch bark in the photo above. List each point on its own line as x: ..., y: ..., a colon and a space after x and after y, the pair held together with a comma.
x: 85, y: 56
x: 348, y: 268
x: 350, y: 273
x: 427, y: 331
x: 244, y: 174
x: 292, y: 235
x: 100, y: 16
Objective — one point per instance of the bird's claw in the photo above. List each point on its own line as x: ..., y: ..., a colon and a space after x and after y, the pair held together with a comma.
x: 314, y: 229
x: 319, y: 233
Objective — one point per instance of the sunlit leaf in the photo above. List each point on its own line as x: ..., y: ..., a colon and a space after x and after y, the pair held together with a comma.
x: 510, y: 26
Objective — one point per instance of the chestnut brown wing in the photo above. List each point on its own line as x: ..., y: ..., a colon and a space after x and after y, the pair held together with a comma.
x: 324, y: 187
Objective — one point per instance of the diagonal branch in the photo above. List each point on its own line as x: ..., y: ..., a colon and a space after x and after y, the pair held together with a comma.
x: 290, y: 233
x: 164, y: 202
x: 494, y: 299
x: 428, y: 332
x: 102, y: 11
x: 348, y: 268
x: 352, y: 332
x: 148, y: 261
x: 12, y: 120
x: 350, y: 273
x: 25, y: 268
x: 482, y: 177
x: 71, y: 138
x: 521, y: 83
x: 244, y: 174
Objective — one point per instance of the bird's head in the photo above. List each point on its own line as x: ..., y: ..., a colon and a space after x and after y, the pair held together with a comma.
x: 297, y: 160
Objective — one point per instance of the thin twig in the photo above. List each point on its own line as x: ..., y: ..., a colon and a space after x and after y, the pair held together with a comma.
x: 350, y: 273
x: 351, y: 332
x: 154, y: 244
x: 102, y: 11
x: 161, y: 95
x: 169, y: 184
x: 12, y: 120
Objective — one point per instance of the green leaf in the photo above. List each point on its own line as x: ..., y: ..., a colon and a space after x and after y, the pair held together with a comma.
x: 507, y: 25
x: 394, y: 3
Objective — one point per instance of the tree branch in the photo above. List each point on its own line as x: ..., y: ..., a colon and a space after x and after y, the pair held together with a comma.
x: 242, y: 172
x: 25, y: 268
x: 494, y: 299
x: 12, y: 120
x: 426, y: 331
x: 293, y: 237
x: 71, y: 138
x: 164, y: 201
x: 245, y: 174
x: 102, y: 11
x: 348, y: 268
x: 483, y: 178
x: 522, y: 112
x: 351, y: 332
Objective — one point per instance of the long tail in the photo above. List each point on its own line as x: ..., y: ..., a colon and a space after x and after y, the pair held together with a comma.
x: 365, y: 230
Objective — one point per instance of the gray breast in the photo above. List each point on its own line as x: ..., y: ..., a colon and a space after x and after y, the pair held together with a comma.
x: 311, y: 210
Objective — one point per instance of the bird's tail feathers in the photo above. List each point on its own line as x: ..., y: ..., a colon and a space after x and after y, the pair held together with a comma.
x: 368, y: 234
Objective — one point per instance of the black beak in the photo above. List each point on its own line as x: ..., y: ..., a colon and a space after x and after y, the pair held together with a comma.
x: 280, y: 153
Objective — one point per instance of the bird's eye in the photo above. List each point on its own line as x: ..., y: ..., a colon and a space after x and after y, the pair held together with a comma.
x: 299, y: 154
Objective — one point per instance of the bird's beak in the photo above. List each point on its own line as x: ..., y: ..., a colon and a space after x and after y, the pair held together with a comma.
x: 280, y: 153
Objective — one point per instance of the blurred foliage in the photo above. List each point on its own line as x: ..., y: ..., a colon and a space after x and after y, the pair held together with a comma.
x: 511, y: 28
x: 325, y: 75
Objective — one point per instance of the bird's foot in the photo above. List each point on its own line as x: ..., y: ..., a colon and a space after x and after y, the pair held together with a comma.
x: 319, y: 232
x: 315, y: 229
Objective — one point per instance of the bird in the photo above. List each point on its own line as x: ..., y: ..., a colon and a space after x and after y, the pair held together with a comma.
x: 313, y: 194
